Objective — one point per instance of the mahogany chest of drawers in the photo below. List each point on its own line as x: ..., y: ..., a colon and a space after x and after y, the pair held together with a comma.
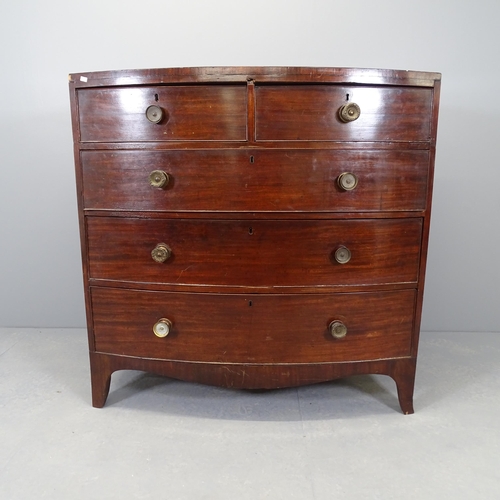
x: 254, y: 227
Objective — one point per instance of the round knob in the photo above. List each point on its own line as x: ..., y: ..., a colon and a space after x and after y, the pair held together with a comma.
x: 162, y: 327
x: 342, y: 255
x: 161, y: 253
x: 154, y: 114
x: 347, y: 181
x: 158, y: 179
x: 349, y: 112
x: 338, y: 329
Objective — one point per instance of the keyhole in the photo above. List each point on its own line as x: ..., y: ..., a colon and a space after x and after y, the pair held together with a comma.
x: 347, y: 97
x: 250, y: 303
x: 251, y: 159
x: 250, y: 230
x: 156, y: 97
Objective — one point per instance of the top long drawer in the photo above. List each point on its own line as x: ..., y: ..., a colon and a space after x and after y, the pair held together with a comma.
x: 240, y: 180
x: 197, y: 112
x: 312, y: 113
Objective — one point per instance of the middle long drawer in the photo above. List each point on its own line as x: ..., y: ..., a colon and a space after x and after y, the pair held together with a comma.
x: 258, y: 253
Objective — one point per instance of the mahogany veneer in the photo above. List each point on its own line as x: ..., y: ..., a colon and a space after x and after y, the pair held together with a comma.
x: 258, y: 227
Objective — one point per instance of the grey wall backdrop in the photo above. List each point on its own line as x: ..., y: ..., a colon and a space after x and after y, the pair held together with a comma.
x: 42, y: 41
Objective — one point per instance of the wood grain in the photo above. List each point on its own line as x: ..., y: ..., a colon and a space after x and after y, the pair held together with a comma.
x: 253, y: 214
x: 200, y: 112
x: 310, y: 112
x: 252, y: 328
x: 256, y: 180
x: 255, y: 253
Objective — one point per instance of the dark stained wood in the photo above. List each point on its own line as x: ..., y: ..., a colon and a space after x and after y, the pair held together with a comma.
x: 255, y: 376
x: 249, y: 328
x: 310, y: 112
x: 101, y: 368
x: 253, y: 215
x: 256, y: 74
x: 262, y: 145
x: 256, y: 180
x: 81, y: 215
x: 427, y: 220
x: 217, y: 112
x: 293, y: 254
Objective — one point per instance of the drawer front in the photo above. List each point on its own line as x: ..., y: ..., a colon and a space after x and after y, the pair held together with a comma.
x: 311, y: 112
x: 255, y: 252
x: 235, y: 180
x: 253, y: 328
x: 199, y: 112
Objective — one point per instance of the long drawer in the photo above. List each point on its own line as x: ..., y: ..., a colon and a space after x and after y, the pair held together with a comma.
x: 311, y: 113
x: 266, y: 253
x: 192, y: 112
x: 253, y: 328
x: 256, y: 180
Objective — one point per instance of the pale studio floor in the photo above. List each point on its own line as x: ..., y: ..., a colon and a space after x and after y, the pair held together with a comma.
x: 157, y: 438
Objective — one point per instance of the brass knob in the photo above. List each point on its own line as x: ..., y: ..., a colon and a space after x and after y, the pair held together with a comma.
x: 342, y: 255
x: 347, y: 181
x: 158, y: 179
x: 161, y: 253
x: 154, y: 114
x: 162, y: 327
x: 349, y: 112
x: 338, y: 329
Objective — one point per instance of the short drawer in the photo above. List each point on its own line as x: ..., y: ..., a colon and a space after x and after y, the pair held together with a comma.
x: 259, y: 253
x: 256, y: 180
x: 253, y: 328
x: 311, y: 112
x: 197, y: 112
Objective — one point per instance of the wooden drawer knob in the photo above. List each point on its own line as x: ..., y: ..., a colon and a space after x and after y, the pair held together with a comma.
x: 349, y: 112
x: 162, y: 327
x: 159, y: 179
x: 161, y: 253
x: 154, y: 114
x: 347, y: 181
x: 338, y: 329
x: 342, y: 255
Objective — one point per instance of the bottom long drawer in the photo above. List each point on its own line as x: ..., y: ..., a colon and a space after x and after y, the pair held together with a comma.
x: 249, y: 328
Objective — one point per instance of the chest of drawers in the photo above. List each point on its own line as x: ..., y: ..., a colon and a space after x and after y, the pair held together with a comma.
x: 254, y: 227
